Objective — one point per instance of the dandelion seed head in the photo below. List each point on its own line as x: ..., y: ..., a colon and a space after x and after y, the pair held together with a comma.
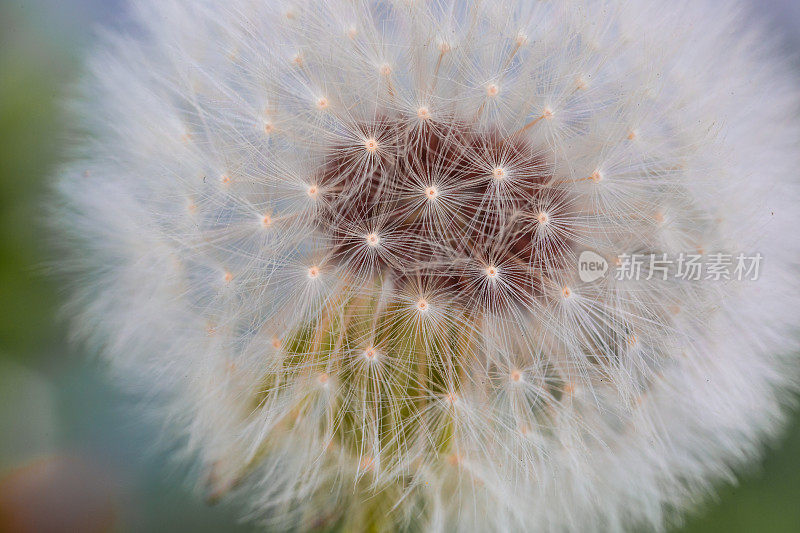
x: 411, y: 339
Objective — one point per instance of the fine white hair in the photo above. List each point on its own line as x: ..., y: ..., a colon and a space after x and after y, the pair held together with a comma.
x: 337, y: 243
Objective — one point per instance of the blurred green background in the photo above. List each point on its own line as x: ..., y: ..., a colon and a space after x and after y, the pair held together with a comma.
x: 74, y: 455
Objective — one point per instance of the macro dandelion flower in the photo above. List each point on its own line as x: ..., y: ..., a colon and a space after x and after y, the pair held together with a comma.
x: 339, y: 244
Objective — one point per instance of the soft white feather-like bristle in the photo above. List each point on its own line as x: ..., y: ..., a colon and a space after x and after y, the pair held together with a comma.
x: 339, y: 240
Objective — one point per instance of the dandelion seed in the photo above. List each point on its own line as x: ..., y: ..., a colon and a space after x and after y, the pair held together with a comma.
x: 543, y: 218
x: 371, y: 145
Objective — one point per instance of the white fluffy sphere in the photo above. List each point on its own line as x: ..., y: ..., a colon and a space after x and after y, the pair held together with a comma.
x: 339, y: 242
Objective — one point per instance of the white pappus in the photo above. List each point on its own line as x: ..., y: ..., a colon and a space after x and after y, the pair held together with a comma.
x: 338, y: 242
